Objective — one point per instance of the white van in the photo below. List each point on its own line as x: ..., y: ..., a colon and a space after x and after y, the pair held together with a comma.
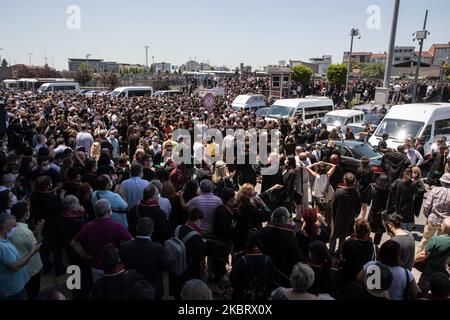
x: 307, y: 109
x: 426, y: 121
x: 249, y: 102
x: 129, y: 92
x: 167, y: 93
x: 59, y: 86
x: 341, y: 118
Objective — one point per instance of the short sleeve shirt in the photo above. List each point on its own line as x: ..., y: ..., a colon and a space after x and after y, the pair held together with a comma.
x: 11, y: 282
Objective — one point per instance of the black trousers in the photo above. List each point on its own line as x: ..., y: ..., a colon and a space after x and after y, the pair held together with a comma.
x: 33, y: 286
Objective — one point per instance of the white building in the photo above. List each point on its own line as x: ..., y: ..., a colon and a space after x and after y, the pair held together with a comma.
x: 403, y: 54
x: 162, y: 67
x: 378, y: 58
x: 322, y: 64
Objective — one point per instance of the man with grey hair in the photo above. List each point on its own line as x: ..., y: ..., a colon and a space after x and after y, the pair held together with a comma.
x: 280, y: 244
x: 164, y: 203
x: 41, y: 141
x: 207, y: 202
x: 436, y: 208
x: 13, y: 275
x: 301, y: 279
x: 435, y: 255
x: 92, y: 238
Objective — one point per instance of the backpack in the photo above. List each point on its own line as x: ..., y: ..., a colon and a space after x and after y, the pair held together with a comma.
x: 256, y: 290
x: 175, y: 252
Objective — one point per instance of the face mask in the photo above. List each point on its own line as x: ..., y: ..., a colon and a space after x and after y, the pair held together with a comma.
x: 150, y: 164
x: 10, y: 234
x: 46, y: 168
x: 155, y: 144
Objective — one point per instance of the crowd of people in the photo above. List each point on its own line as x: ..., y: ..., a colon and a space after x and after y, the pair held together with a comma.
x: 92, y: 182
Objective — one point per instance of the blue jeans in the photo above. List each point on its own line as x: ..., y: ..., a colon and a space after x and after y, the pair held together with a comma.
x: 21, y: 295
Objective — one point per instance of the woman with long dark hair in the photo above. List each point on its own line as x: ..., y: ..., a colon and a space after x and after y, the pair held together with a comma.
x: 364, y: 175
x: 357, y: 251
x: 190, y: 190
x: 379, y: 193
x: 401, y: 198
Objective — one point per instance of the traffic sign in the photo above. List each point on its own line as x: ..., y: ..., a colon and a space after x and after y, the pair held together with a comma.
x: 209, y: 101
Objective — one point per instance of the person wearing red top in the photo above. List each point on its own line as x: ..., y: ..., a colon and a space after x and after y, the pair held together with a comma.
x: 92, y: 238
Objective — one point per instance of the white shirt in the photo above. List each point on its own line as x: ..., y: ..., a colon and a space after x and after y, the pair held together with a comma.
x: 84, y: 139
x: 397, y: 88
x: 317, y: 154
x: 303, y: 163
x: 434, y: 148
x: 414, y: 157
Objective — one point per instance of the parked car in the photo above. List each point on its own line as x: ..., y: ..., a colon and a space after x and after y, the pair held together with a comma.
x: 351, y: 153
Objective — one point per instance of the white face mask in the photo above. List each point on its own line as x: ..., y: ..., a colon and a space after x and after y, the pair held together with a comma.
x: 46, y: 168
x: 10, y: 234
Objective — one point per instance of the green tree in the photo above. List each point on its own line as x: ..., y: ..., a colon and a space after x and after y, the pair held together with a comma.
x: 4, y: 63
x: 447, y: 69
x: 84, y: 74
x: 302, y: 74
x: 373, y: 70
x: 337, y: 74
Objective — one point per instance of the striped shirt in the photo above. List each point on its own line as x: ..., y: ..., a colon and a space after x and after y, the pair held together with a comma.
x: 437, y: 206
x: 207, y: 203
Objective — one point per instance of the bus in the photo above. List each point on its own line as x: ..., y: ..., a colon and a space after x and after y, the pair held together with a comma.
x: 32, y: 84
x: 10, y: 84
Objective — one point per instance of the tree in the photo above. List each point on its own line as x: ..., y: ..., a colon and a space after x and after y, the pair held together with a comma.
x: 84, y: 74
x: 4, y: 63
x: 302, y: 74
x: 337, y: 74
x: 109, y: 80
x: 373, y: 70
x: 447, y: 69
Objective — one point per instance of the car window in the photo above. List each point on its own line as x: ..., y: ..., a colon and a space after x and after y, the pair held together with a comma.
x: 427, y: 134
x: 442, y: 127
x: 345, y: 152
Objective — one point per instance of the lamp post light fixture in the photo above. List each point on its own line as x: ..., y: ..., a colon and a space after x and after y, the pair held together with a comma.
x: 420, y: 36
x: 353, y: 33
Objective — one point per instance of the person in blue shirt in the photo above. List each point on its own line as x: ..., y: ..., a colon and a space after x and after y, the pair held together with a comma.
x: 13, y: 274
x: 118, y: 205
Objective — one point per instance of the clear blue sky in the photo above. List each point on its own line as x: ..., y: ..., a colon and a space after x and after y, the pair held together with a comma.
x: 226, y: 32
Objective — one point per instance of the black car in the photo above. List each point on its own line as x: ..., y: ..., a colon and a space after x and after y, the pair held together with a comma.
x: 351, y: 153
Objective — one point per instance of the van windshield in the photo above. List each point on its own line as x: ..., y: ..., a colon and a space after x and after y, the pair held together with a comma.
x: 280, y: 112
x: 399, y: 129
x: 115, y: 93
x: 334, y: 120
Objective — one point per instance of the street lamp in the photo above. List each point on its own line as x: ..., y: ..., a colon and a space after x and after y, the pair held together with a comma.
x: 87, y: 59
x: 353, y: 33
x: 146, y: 56
x: 29, y: 57
x: 419, y: 36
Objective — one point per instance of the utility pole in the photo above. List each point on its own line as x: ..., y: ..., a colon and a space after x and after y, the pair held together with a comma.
x: 353, y: 33
x: 45, y: 58
x: 1, y: 55
x: 29, y: 57
x: 390, y: 57
x: 420, y: 36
